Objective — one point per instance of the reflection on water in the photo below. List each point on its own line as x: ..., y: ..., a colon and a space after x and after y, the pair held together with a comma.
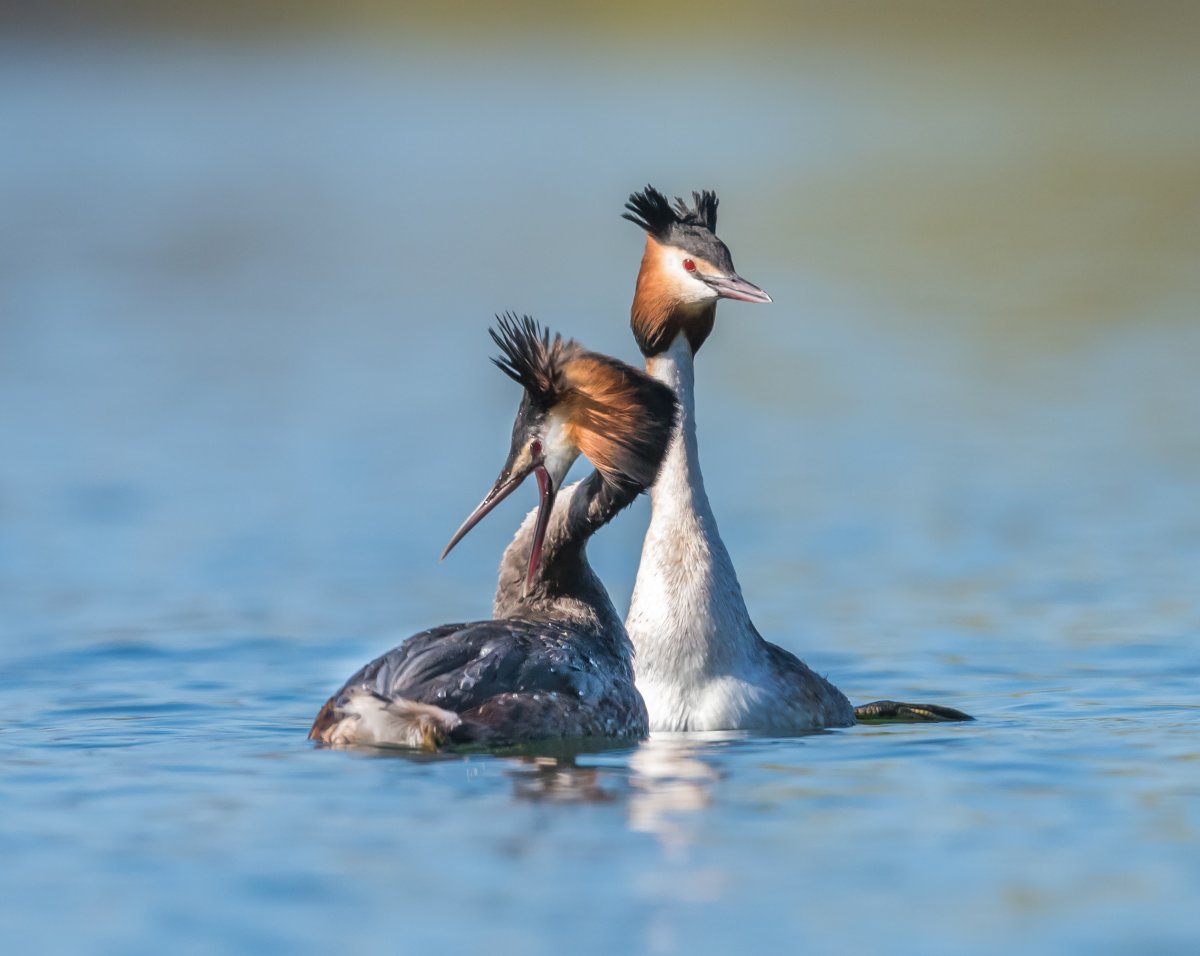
x: 244, y: 399
x: 671, y: 781
x: 664, y: 780
x: 562, y: 780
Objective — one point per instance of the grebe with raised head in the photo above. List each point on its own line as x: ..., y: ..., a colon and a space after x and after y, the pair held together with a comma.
x: 554, y: 661
x: 701, y: 664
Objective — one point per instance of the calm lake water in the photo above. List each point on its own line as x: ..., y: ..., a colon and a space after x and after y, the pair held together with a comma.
x: 245, y: 399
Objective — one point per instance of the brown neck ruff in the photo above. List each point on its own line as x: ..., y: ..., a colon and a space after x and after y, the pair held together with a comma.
x: 658, y: 316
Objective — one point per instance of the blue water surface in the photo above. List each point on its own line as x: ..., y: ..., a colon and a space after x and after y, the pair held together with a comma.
x: 245, y: 399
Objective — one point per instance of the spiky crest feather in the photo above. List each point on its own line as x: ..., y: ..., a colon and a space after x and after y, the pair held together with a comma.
x: 651, y: 211
x: 621, y: 418
x: 531, y: 358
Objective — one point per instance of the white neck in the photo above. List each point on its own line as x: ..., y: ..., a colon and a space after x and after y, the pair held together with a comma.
x: 687, y: 620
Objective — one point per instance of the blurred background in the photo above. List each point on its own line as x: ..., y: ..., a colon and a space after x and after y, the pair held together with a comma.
x: 248, y: 259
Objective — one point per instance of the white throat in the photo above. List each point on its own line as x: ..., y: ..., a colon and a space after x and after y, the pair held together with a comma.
x: 689, y: 625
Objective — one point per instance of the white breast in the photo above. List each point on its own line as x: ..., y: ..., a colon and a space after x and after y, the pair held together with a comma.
x: 700, y: 663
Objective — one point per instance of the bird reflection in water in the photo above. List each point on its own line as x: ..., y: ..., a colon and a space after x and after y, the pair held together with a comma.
x: 665, y: 781
x: 562, y: 780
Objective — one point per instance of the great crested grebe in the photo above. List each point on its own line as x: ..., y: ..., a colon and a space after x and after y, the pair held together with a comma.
x: 555, y: 661
x: 701, y: 664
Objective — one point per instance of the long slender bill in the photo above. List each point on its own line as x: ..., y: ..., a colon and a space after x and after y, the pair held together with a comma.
x: 505, y: 486
x: 735, y: 287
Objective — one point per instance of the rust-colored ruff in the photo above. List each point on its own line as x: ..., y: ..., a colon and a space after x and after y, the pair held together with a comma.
x: 659, y: 311
x: 616, y: 416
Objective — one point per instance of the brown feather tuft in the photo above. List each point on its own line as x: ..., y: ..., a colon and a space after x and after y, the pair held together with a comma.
x: 620, y: 418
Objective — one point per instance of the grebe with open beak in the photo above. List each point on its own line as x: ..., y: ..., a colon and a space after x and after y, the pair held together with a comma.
x: 554, y: 661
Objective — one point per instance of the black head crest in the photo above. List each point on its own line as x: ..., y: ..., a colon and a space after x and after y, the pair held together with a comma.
x: 703, y: 213
x: 530, y: 357
x: 651, y: 210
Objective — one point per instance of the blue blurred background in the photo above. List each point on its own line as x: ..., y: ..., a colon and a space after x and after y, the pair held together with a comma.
x: 248, y: 260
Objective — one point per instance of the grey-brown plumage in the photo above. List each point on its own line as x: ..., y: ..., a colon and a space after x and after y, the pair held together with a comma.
x: 508, y: 681
x: 555, y: 661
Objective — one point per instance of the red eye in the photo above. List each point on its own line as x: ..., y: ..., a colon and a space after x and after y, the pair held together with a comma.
x: 535, y: 448
x: 689, y: 266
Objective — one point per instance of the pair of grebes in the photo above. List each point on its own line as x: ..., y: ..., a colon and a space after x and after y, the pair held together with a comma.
x: 556, y: 661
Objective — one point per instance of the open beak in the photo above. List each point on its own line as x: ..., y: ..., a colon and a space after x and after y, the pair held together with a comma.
x: 505, y: 485
x: 735, y: 287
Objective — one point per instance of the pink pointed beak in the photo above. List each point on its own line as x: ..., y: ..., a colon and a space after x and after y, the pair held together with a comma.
x: 505, y: 485
x: 735, y: 287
